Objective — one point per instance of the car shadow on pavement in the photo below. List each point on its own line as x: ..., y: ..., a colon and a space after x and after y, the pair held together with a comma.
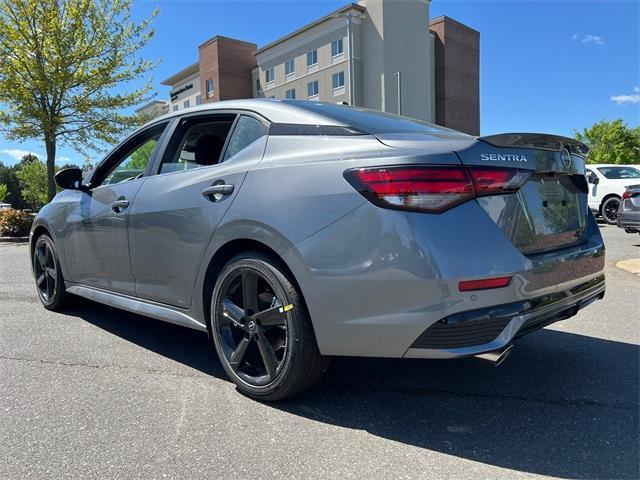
x: 184, y: 345
x: 562, y: 404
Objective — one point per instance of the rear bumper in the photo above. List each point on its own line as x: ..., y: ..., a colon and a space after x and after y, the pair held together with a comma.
x: 375, y: 280
x: 630, y: 221
x: 494, y: 328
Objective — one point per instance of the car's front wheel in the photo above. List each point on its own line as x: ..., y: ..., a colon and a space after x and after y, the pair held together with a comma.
x: 609, y: 209
x: 262, y: 331
x: 49, y: 280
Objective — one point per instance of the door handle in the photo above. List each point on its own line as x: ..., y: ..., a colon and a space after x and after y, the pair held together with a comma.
x: 217, y: 192
x: 119, y: 205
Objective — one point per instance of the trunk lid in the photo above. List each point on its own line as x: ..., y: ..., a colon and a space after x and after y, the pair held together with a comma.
x: 550, y: 210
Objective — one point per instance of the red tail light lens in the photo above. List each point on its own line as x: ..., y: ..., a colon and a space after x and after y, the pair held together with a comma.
x: 626, y: 194
x: 431, y: 189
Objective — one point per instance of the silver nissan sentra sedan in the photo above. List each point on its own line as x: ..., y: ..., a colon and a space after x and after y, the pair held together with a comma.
x: 293, y: 231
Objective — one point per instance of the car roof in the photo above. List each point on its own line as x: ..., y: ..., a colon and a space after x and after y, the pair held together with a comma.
x: 274, y: 110
x: 305, y: 112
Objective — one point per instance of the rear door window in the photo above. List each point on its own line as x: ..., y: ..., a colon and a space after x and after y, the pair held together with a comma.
x: 197, y: 143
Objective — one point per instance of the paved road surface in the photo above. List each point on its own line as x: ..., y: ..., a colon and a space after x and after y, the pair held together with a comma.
x: 102, y: 393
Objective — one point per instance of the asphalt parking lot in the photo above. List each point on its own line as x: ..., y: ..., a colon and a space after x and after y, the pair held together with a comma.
x: 96, y: 392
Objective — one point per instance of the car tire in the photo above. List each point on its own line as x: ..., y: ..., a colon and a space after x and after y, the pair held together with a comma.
x: 609, y: 209
x: 265, y: 344
x: 48, y: 275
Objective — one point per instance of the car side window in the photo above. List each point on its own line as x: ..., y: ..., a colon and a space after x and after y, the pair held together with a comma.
x: 246, y: 131
x: 131, y: 160
x: 197, y: 142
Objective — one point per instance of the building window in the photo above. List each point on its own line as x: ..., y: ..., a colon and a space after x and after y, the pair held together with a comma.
x: 313, y: 89
x: 198, y: 99
x: 186, y: 103
x: 175, y: 108
x: 268, y: 76
x: 337, y: 80
x: 209, y: 88
x: 337, y: 48
x: 290, y: 94
x: 312, y: 58
x: 289, y: 67
x: 258, y: 87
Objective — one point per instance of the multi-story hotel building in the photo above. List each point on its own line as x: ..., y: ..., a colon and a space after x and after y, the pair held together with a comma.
x: 380, y: 54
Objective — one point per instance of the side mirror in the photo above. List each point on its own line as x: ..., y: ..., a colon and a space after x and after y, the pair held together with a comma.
x: 70, y: 179
x: 591, y: 178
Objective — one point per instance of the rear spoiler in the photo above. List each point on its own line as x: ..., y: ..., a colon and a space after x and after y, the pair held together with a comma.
x: 540, y: 141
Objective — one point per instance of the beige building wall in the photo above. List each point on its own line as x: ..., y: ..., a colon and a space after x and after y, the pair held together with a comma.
x: 319, y: 38
x: 388, y: 37
x: 396, y: 38
x: 190, y: 94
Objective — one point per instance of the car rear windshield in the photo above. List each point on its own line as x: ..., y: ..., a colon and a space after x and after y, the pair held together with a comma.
x: 373, y: 121
x: 619, y: 173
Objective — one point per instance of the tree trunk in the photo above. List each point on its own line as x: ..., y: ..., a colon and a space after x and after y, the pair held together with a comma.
x: 50, y: 145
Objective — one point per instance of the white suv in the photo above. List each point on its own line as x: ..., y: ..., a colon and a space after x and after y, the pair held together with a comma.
x: 606, y: 186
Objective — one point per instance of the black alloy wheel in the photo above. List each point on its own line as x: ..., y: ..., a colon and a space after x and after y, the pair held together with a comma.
x: 610, y: 210
x: 261, y: 331
x: 49, y: 281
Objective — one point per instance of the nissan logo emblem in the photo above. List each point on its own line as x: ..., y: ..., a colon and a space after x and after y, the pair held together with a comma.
x: 566, y: 157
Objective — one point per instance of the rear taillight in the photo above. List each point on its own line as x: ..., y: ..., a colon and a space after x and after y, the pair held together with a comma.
x: 432, y: 189
x: 626, y: 194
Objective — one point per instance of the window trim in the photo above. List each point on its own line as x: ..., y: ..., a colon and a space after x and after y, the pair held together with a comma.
x: 338, y: 75
x: 310, y: 65
x: 209, y: 93
x: 341, y: 40
x: 273, y: 76
x: 315, y: 94
x: 292, y: 62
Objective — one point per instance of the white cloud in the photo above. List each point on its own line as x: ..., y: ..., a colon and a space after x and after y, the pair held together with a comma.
x: 631, y: 98
x: 592, y: 39
x: 17, y: 154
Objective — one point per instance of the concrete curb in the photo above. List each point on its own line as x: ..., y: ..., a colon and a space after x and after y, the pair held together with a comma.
x: 632, y: 265
x: 14, y: 239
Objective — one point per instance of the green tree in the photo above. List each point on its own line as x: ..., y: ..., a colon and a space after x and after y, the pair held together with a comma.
x: 9, y: 178
x: 87, y: 166
x: 141, y: 156
x: 61, y: 63
x: 33, y: 183
x: 611, y: 142
x: 4, y: 192
x: 29, y: 157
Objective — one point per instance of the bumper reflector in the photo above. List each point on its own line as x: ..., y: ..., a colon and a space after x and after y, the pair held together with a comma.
x: 484, y: 284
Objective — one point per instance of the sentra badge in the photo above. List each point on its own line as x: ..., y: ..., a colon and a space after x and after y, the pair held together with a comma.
x: 502, y: 157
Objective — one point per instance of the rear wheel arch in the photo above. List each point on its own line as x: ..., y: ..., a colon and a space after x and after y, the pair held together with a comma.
x: 225, y: 253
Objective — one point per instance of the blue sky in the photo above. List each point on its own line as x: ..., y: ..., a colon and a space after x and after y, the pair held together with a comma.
x: 546, y: 66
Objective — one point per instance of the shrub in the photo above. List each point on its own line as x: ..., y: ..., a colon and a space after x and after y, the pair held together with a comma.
x: 14, y: 223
